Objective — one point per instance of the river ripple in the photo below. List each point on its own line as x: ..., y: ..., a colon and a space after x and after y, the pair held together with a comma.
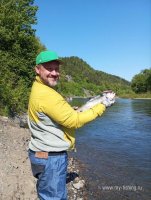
x: 117, y: 151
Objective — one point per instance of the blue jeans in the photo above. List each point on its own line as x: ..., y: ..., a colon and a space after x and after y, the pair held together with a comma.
x: 51, y: 176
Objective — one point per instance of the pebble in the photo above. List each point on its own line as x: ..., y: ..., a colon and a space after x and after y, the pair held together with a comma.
x: 78, y: 185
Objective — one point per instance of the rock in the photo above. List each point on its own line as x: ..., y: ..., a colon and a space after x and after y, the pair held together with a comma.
x: 68, y: 78
x: 78, y: 185
x: 20, y: 120
x: 5, y: 118
x: 76, y: 180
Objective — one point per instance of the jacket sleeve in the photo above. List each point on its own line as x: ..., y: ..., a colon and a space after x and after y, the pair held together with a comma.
x: 62, y: 113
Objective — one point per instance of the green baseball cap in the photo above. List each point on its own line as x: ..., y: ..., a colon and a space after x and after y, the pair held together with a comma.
x: 47, y: 56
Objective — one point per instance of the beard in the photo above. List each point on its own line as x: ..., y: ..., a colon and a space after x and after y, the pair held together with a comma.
x: 50, y: 81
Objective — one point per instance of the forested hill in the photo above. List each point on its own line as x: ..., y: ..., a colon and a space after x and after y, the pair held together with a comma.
x: 18, y: 50
x: 80, y: 79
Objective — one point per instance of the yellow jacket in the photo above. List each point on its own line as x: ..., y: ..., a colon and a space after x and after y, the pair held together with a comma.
x: 53, y: 121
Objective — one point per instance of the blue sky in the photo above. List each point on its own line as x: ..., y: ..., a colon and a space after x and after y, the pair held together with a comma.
x: 113, y: 36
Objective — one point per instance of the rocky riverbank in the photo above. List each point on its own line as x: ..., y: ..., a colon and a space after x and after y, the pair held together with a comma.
x: 16, y: 180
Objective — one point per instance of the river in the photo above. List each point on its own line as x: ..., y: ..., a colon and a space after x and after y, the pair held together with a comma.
x: 116, y: 149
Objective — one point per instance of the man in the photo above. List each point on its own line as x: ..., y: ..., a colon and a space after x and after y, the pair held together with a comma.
x: 52, y: 122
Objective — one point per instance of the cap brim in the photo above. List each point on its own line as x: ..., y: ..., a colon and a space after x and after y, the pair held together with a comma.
x: 58, y: 60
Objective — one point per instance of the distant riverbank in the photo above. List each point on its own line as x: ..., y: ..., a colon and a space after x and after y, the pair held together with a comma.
x: 136, y: 96
x: 141, y: 98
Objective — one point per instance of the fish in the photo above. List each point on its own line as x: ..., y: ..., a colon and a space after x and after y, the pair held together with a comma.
x: 98, y: 99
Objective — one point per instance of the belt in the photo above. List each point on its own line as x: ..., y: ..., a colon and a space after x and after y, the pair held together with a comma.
x: 43, y: 154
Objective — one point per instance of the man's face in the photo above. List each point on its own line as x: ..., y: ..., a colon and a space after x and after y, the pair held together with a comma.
x: 49, y: 72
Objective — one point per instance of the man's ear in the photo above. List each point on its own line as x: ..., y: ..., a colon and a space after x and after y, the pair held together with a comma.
x: 37, y: 69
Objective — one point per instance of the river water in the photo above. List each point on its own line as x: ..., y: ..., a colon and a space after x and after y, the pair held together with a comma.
x: 116, y: 149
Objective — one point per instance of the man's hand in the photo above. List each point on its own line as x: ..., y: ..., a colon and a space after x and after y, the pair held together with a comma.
x: 110, y: 95
x: 108, y: 99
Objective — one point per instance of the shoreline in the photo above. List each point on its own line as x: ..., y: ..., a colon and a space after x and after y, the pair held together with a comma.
x: 142, y: 98
x: 117, y: 97
x: 16, y: 180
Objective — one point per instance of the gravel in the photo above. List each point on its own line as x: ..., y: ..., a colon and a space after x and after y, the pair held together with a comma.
x: 16, y: 180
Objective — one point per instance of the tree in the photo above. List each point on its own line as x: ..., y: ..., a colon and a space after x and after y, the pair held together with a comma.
x: 18, y: 50
x: 141, y: 82
x: 148, y: 80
